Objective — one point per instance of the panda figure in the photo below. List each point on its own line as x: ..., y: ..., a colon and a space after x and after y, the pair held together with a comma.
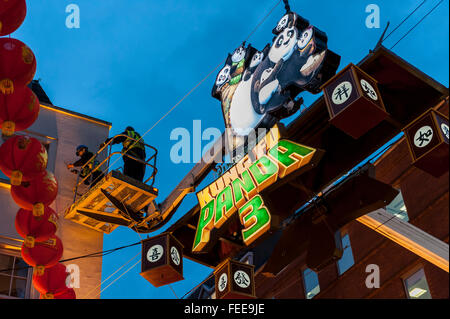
x: 230, y: 78
x: 293, y: 64
x: 290, y: 19
x: 257, y: 88
x: 242, y: 115
x: 267, y: 92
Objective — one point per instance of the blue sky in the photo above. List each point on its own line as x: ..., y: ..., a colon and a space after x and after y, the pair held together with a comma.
x: 131, y: 61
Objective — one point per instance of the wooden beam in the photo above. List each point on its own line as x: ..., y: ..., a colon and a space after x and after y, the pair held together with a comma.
x: 408, y: 236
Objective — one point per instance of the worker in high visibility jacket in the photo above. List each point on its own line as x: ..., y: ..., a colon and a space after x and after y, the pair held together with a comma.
x: 88, y: 164
x: 133, y: 145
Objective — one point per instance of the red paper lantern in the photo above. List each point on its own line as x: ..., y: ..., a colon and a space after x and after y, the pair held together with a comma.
x: 36, y: 229
x: 12, y: 14
x: 18, y: 111
x: 68, y: 293
x: 22, y: 158
x: 36, y: 194
x: 43, y: 255
x: 17, y: 65
x: 53, y: 280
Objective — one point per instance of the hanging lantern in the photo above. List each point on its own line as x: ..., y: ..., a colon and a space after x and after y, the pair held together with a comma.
x: 428, y: 142
x: 36, y: 194
x: 234, y: 280
x: 43, y: 255
x: 17, y: 65
x: 53, y: 281
x: 23, y: 158
x: 162, y: 260
x: 68, y: 293
x: 12, y: 14
x: 36, y: 229
x: 18, y: 111
x: 354, y: 101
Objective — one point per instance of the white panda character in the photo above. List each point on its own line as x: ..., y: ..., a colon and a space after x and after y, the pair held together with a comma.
x: 267, y: 88
x: 284, y: 45
x: 256, y: 59
x: 223, y: 76
x: 305, y: 38
x: 282, y: 23
x: 238, y: 54
x: 243, y: 117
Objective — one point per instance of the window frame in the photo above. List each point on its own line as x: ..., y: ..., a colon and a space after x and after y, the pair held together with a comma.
x: 411, y: 272
x: 343, y: 234
x: 393, y: 212
x: 302, y: 271
x: 28, y: 278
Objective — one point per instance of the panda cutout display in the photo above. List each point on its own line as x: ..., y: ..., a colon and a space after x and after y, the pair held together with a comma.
x: 230, y: 78
x: 238, y: 54
x: 223, y: 76
x: 283, y: 23
x: 243, y: 117
x: 258, y: 88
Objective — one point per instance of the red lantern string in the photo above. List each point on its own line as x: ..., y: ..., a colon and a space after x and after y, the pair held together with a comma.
x: 24, y: 160
x: 43, y: 255
x: 53, y: 281
x: 17, y: 65
x: 36, y: 194
x: 12, y: 15
x: 18, y: 110
x: 36, y: 229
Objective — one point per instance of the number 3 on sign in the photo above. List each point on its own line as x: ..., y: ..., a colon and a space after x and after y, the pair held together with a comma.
x: 255, y: 218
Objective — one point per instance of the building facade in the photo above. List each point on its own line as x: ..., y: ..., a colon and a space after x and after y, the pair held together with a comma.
x: 61, y: 131
x: 374, y: 262
x: 423, y: 202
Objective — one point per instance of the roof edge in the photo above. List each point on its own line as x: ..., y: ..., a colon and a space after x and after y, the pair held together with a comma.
x: 75, y: 114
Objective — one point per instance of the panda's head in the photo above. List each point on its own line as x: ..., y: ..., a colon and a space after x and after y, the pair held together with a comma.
x: 283, y: 23
x: 305, y: 38
x: 223, y: 76
x: 238, y: 54
x: 284, y: 45
x: 265, y: 75
x: 256, y: 59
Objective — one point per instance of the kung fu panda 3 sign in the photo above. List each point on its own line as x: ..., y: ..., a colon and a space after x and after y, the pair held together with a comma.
x: 258, y: 88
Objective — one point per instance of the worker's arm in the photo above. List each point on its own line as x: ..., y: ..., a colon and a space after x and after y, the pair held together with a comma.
x: 83, y: 160
x: 116, y: 140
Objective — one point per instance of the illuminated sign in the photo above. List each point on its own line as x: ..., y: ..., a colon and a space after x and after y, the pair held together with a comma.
x: 258, y: 88
x: 237, y: 191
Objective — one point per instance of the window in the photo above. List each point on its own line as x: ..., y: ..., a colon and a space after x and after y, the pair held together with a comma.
x: 247, y: 258
x: 397, y: 208
x: 310, y: 283
x: 416, y: 286
x: 347, y: 257
x: 14, y: 281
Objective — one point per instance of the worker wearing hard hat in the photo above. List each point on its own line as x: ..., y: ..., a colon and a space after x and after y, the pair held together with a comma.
x: 133, y: 145
x: 88, y: 164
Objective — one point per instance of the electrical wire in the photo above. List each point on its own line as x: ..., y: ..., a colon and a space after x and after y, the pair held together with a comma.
x: 99, y: 285
x: 101, y: 254
x: 117, y: 278
x: 194, y: 88
x: 403, y: 21
x: 420, y: 21
x: 350, y: 173
x: 313, y: 197
x: 93, y: 255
